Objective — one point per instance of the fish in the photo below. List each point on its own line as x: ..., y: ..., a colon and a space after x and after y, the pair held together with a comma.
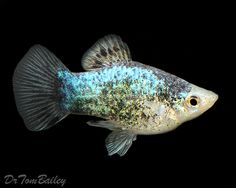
x: 131, y: 98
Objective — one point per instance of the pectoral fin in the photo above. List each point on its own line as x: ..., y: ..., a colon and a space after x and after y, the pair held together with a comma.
x: 119, y: 142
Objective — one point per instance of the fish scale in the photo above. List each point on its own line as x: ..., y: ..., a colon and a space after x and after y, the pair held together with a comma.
x: 120, y: 80
x: 101, y: 93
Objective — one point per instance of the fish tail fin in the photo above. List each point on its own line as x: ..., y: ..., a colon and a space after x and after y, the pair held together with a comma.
x: 36, y: 89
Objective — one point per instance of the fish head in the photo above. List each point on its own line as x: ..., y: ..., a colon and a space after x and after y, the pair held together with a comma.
x: 196, y: 102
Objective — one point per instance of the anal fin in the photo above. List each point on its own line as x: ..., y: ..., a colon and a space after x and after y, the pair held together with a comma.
x: 119, y: 141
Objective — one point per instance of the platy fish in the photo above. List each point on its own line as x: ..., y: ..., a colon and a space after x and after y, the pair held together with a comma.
x: 132, y: 98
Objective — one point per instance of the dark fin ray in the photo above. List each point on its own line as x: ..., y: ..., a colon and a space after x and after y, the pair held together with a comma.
x: 106, y: 52
x: 35, y: 86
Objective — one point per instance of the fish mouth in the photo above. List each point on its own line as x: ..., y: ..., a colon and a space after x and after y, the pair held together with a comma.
x: 214, y: 97
x: 209, y: 102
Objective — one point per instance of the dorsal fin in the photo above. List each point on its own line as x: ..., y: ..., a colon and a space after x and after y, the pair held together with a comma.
x: 107, y: 51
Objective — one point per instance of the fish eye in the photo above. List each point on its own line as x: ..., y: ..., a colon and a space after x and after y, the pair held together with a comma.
x: 193, y: 101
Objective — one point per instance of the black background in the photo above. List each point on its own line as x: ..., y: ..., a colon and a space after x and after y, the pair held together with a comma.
x: 194, y: 45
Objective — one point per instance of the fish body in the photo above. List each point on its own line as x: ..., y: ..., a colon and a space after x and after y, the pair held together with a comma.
x: 131, y: 97
x: 138, y: 97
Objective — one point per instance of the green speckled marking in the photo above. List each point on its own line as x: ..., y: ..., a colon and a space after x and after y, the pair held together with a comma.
x: 117, y: 93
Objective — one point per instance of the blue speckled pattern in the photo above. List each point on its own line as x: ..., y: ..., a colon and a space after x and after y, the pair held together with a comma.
x: 91, y: 84
x: 108, y: 91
